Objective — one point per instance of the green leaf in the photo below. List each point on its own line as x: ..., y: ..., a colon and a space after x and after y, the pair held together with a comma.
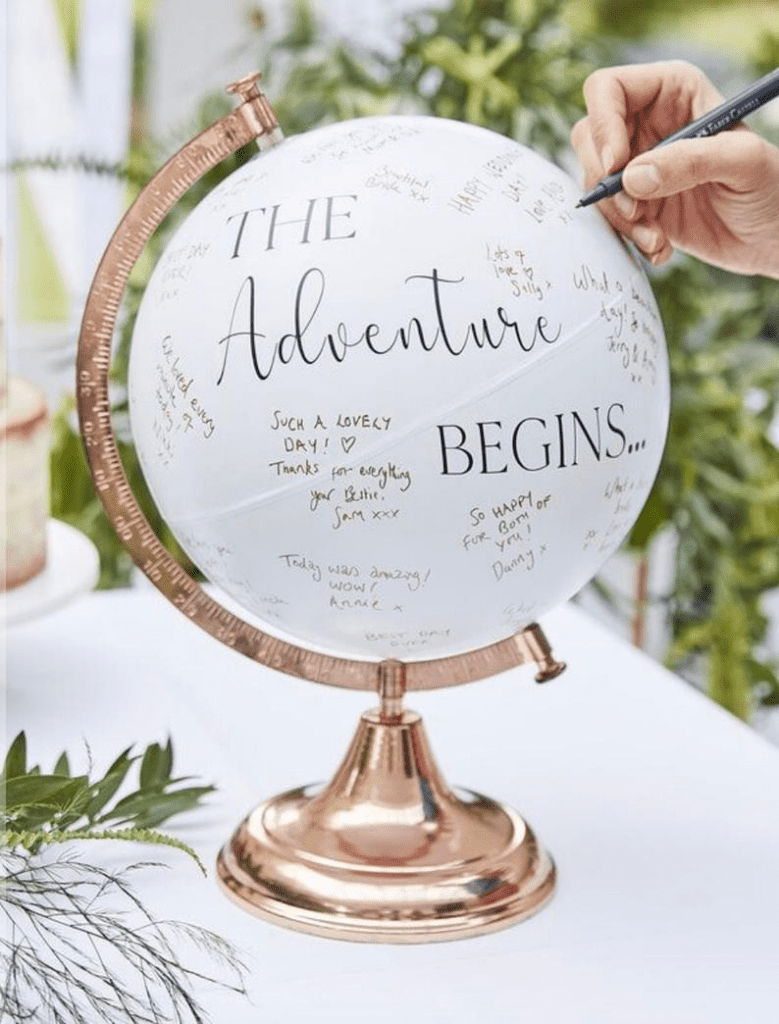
x: 173, y: 803
x: 123, y: 761
x: 34, y: 840
x: 156, y: 765
x: 58, y: 802
x: 149, y: 810
x: 655, y: 514
x: 16, y: 758
x: 103, y: 791
x: 760, y: 672
x: 694, y: 637
x: 729, y: 485
x: 701, y: 510
x: 52, y: 792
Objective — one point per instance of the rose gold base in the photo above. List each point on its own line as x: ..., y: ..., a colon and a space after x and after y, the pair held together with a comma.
x: 387, y: 852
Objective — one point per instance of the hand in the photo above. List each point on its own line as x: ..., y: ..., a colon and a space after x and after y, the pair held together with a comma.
x: 716, y: 197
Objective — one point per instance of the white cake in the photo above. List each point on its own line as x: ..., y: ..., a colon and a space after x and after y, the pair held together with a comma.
x: 24, y: 456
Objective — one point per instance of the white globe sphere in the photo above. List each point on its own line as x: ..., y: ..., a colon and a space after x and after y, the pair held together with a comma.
x: 393, y: 393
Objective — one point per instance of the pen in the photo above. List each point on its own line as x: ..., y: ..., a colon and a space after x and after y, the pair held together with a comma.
x: 728, y: 113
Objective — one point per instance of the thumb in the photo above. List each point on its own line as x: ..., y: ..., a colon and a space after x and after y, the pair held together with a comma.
x: 734, y: 158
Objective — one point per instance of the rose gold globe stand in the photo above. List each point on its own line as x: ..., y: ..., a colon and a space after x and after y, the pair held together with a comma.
x: 386, y: 852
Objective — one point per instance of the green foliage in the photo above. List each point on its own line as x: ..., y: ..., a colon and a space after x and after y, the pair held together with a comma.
x: 77, y: 945
x: 509, y: 65
x: 40, y: 808
x: 767, y: 53
x: 719, y: 482
x: 64, y: 920
x: 631, y: 20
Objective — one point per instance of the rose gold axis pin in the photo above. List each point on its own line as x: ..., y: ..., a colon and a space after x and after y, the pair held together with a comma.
x: 254, y: 108
x: 534, y: 646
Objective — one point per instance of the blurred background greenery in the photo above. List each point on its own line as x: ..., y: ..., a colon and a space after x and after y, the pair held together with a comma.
x: 517, y: 66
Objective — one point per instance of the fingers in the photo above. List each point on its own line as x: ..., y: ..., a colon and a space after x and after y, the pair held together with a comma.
x: 607, y: 108
x: 582, y: 142
x: 716, y: 197
x: 652, y: 240
x: 630, y: 108
x: 666, y: 93
x: 635, y: 220
x: 626, y: 206
x: 626, y: 215
x: 737, y: 160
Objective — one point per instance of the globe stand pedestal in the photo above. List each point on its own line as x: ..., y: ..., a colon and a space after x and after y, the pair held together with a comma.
x: 387, y: 852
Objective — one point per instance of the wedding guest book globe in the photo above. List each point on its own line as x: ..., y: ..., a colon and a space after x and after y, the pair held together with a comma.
x: 397, y: 398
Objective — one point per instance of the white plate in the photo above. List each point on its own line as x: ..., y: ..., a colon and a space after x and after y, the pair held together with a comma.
x: 72, y: 568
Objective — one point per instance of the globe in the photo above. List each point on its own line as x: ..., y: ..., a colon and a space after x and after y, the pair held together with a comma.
x: 393, y: 393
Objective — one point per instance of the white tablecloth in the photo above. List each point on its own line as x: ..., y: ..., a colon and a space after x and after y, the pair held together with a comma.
x: 661, y: 811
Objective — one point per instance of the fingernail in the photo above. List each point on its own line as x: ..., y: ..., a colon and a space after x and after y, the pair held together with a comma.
x: 626, y: 206
x: 643, y: 179
x: 645, y: 238
x: 607, y: 159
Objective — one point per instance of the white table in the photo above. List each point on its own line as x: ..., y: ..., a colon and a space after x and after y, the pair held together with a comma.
x: 661, y: 811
